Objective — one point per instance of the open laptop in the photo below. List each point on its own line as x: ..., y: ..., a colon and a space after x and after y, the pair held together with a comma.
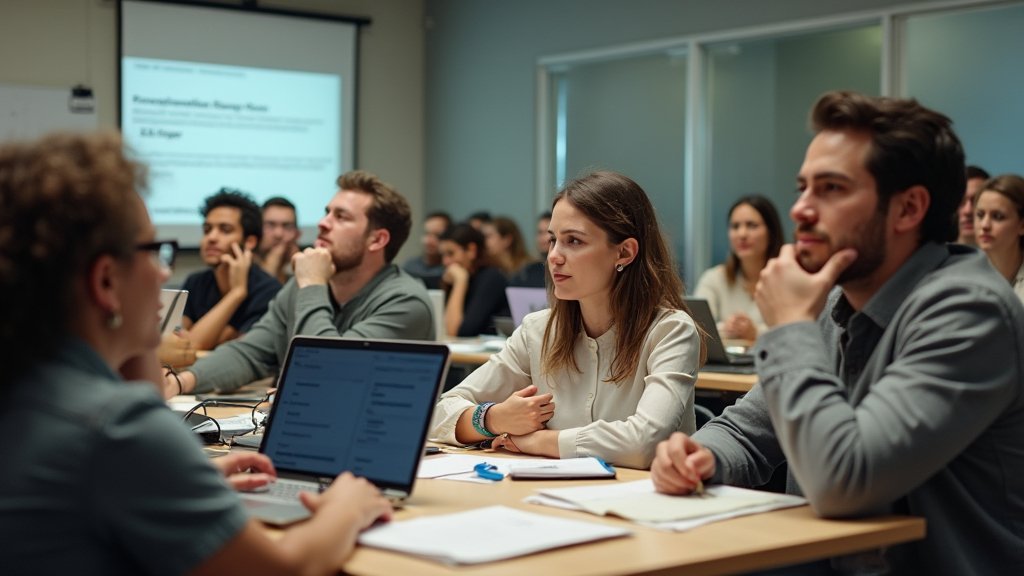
x: 362, y: 406
x: 718, y: 359
x: 173, y: 308
x: 522, y: 301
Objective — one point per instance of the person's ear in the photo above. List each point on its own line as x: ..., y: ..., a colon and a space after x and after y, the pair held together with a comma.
x: 250, y: 243
x: 379, y: 239
x: 909, y: 207
x: 628, y: 249
x: 103, y: 285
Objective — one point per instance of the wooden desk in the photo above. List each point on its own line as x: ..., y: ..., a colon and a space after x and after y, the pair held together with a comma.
x: 751, y: 542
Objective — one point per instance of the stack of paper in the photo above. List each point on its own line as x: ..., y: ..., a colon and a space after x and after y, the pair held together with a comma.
x: 508, y: 532
x: 639, y: 502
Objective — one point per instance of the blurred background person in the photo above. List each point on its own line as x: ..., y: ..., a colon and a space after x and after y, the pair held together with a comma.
x: 280, y: 238
x: 999, y: 226
x: 976, y: 177
x: 475, y: 290
x: 506, y: 248
x: 109, y: 481
x: 428, y: 266
x: 755, y: 235
x: 227, y: 298
x: 533, y: 274
x: 478, y: 219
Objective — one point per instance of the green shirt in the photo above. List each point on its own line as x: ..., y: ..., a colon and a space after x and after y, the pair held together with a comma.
x: 392, y: 305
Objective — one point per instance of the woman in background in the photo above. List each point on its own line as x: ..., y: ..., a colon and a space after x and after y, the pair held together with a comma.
x: 999, y: 226
x: 103, y: 478
x: 505, y: 246
x: 475, y: 290
x: 609, y: 369
x: 755, y: 236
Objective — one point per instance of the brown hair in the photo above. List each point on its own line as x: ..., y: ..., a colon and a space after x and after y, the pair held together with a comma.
x: 389, y: 209
x: 620, y: 207
x: 518, y: 256
x: 910, y: 145
x: 770, y: 216
x: 1012, y: 187
x: 64, y: 201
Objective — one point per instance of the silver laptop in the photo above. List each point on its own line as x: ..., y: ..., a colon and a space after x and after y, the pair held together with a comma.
x: 361, y: 406
x: 522, y: 301
x: 173, y: 308
x: 718, y: 359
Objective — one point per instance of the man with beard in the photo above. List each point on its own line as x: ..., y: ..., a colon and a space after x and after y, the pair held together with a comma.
x: 900, y: 391
x: 976, y: 177
x: 343, y: 286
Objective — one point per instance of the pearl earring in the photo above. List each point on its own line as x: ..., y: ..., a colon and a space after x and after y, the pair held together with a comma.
x: 619, y: 268
x: 115, y: 320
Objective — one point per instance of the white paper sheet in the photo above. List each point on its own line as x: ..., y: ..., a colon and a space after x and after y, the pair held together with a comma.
x: 484, y: 535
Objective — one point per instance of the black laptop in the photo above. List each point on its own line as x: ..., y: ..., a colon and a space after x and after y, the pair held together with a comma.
x: 718, y: 359
x: 362, y: 406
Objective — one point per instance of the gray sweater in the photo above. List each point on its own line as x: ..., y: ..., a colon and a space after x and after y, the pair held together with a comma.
x: 392, y: 305
x: 913, y: 405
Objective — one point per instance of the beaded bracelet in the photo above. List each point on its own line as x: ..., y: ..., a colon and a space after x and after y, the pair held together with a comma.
x: 478, y: 419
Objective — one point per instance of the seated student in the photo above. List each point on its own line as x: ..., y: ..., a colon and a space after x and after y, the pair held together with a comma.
x: 280, y: 238
x: 755, y: 236
x: 505, y: 246
x: 478, y: 219
x: 345, y: 286
x: 534, y: 273
x: 609, y: 370
x: 976, y: 177
x: 999, y: 227
x: 475, y: 290
x: 227, y: 298
x: 899, y: 392
x: 428, y: 266
x: 99, y: 476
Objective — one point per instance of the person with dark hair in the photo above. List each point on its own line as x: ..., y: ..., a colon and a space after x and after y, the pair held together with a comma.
x: 609, y: 369
x: 478, y: 219
x: 899, y: 391
x: 474, y: 290
x: 227, y: 298
x: 344, y: 286
x: 999, y: 227
x: 280, y: 238
x: 976, y: 176
x: 755, y: 236
x: 99, y: 476
x: 428, y: 266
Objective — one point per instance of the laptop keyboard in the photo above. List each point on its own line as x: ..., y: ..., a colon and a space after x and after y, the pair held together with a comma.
x: 287, y: 490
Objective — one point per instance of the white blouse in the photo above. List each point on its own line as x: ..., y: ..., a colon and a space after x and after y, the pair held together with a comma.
x: 726, y: 300
x: 619, y: 422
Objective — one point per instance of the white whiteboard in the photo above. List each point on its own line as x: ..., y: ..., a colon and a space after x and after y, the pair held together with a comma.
x: 28, y: 112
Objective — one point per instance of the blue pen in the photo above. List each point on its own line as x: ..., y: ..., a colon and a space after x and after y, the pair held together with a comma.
x: 488, y: 471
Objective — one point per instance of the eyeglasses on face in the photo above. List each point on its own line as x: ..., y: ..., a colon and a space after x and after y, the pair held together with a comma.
x: 164, y: 250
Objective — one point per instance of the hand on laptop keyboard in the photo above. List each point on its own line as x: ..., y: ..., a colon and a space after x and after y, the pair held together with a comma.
x: 246, y: 471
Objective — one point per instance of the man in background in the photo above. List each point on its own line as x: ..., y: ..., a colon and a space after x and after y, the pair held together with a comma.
x: 976, y: 178
x: 280, y: 238
x: 428, y: 266
x: 344, y: 286
x: 227, y: 298
x: 533, y: 274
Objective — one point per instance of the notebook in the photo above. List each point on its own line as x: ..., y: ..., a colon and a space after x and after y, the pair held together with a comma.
x: 173, y: 307
x: 718, y: 359
x: 522, y: 301
x: 361, y: 406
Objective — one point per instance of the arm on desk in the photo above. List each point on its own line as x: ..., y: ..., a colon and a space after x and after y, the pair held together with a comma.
x: 318, y: 546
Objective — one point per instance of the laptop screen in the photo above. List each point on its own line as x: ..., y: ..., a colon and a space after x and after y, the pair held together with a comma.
x: 522, y: 301
x: 355, y: 405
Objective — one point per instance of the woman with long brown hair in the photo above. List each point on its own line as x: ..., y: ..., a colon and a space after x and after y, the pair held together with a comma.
x: 609, y: 369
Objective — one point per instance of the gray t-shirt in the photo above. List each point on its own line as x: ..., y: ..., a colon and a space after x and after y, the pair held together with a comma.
x: 101, y: 478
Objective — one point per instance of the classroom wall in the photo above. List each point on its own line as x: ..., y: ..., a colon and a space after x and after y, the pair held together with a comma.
x: 59, y: 43
x: 481, y: 58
